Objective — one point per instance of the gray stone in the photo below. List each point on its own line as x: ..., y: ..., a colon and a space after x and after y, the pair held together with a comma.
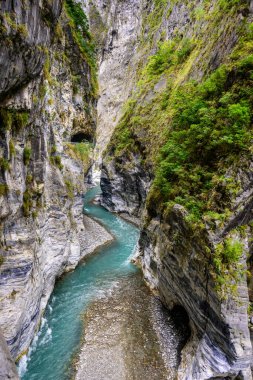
x: 8, y: 369
x: 55, y: 236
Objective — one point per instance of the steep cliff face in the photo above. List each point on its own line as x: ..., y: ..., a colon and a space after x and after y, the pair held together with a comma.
x: 8, y: 369
x: 177, y: 262
x: 47, y: 97
x: 125, y: 186
x: 25, y: 30
x: 116, y: 28
x: 186, y: 153
x: 179, y: 158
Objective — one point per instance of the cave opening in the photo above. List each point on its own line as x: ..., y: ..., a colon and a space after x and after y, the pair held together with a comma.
x: 81, y: 137
x: 180, y: 316
x: 181, y: 323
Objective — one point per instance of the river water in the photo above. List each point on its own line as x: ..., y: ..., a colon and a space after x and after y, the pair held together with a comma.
x: 59, y: 337
x: 104, y: 282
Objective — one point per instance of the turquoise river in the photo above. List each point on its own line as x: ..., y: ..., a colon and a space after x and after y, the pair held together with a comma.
x: 58, y: 340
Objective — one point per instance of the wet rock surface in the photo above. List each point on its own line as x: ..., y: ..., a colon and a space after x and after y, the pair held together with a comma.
x: 128, y: 335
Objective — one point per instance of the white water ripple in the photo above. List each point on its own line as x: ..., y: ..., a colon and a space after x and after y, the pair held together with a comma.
x: 23, y: 363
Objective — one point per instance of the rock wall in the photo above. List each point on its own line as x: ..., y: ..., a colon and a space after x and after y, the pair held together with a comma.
x: 177, y: 254
x: 47, y: 96
x: 176, y: 262
x: 116, y: 28
x: 8, y: 369
x: 124, y: 187
x: 24, y: 33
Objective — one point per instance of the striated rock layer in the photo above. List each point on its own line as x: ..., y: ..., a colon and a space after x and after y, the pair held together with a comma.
x: 47, y: 96
x: 8, y: 369
x: 116, y: 28
x: 176, y: 263
x: 176, y: 254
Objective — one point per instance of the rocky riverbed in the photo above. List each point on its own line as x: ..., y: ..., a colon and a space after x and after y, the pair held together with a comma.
x: 128, y: 335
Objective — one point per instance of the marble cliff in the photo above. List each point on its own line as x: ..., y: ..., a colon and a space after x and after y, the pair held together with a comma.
x: 194, y: 202
x: 171, y: 119
x: 47, y: 94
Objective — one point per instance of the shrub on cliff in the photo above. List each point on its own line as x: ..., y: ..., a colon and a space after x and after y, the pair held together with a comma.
x: 80, y: 31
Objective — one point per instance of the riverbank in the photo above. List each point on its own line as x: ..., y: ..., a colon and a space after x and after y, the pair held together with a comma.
x: 92, y: 237
x: 104, y: 315
x: 129, y: 335
x: 58, y: 340
x: 119, y: 341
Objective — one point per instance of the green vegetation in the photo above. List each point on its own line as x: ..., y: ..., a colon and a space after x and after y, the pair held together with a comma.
x: 5, y: 119
x: 12, y: 148
x: 188, y: 132
x: 27, y: 155
x: 46, y: 68
x: 20, y: 29
x: 4, y: 164
x: 3, y: 189
x: 56, y: 161
x: 2, y: 259
x: 193, y: 136
x: 13, y: 120
x: 27, y: 202
x: 58, y: 32
x: 29, y: 179
x: 53, y: 150
x: 76, y: 83
x: 80, y: 151
x: 42, y: 91
x: 29, y: 197
x: 20, y: 120
x: 228, y: 4
x: 146, y: 115
x: 211, y: 127
x: 70, y: 189
x: 169, y: 54
x: 226, y: 264
x: 152, y: 20
x: 227, y: 253
x: 80, y: 31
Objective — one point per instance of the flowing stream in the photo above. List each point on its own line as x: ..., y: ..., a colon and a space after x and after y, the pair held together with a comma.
x: 103, y: 314
x: 59, y: 337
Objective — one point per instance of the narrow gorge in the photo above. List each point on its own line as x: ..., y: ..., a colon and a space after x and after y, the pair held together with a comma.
x: 153, y: 100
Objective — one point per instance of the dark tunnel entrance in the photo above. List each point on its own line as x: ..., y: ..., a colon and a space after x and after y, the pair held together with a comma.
x: 177, y: 318
x: 182, y: 324
x: 81, y: 137
x: 181, y: 321
x: 180, y: 316
x: 176, y: 331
